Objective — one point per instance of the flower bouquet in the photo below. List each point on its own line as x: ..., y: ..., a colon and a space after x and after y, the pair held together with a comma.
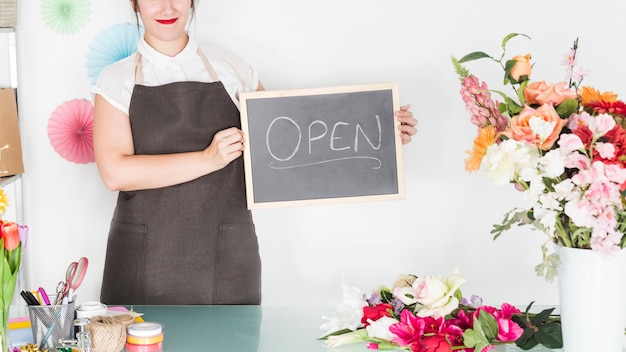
x: 562, y: 145
x: 12, y: 240
x: 429, y: 314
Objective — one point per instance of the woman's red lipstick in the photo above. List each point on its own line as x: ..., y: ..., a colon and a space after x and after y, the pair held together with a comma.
x: 170, y: 21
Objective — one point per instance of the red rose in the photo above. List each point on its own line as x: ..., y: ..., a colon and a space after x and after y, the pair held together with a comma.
x: 436, y: 343
x: 376, y: 312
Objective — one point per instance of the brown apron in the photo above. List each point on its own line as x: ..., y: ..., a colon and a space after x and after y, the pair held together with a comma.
x: 191, y: 243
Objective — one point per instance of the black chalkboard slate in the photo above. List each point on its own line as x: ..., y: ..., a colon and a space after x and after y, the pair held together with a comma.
x: 322, y: 145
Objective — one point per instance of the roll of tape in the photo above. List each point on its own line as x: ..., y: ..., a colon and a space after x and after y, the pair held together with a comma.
x: 91, y: 309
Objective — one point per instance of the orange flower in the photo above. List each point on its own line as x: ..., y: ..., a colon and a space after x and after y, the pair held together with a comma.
x: 590, y: 94
x: 11, y: 235
x: 541, y: 93
x: 521, y: 68
x: 520, y: 129
x: 485, y: 138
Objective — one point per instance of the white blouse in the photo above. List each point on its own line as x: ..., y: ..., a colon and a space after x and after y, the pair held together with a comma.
x: 116, y: 81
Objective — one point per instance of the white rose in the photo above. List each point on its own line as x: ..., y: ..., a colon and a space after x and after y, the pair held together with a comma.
x: 436, y: 295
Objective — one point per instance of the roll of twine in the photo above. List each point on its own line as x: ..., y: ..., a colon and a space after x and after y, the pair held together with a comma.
x: 108, y: 333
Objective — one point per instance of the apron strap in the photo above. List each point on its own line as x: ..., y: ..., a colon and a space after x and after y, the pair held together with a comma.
x: 139, y: 68
x: 208, y: 66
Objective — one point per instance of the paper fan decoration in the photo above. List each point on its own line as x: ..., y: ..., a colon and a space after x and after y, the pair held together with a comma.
x: 112, y: 44
x: 65, y: 16
x: 70, y: 131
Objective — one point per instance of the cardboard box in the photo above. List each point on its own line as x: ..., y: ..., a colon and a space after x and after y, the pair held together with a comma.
x: 10, y: 158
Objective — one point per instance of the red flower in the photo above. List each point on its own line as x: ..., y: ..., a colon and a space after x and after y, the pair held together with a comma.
x: 607, y: 107
x: 435, y: 343
x: 11, y: 235
x: 376, y: 312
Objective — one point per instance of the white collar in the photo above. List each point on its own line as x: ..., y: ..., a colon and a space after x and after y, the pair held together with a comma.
x: 161, y: 60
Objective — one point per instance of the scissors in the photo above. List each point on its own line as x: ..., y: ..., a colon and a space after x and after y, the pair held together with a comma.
x: 74, y: 276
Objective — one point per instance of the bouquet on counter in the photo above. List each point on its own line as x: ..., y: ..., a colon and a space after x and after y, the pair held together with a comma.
x: 429, y: 313
x: 12, y: 240
x: 562, y: 145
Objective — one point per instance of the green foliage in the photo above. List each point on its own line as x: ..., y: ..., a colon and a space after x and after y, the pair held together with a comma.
x: 543, y: 328
x: 483, y: 332
x: 460, y: 70
x: 474, y: 56
x: 511, y: 36
x: 566, y: 108
x: 549, y: 267
x: 517, y: 217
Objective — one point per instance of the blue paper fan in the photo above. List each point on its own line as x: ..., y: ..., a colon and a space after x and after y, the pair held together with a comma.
x: 112, y: 44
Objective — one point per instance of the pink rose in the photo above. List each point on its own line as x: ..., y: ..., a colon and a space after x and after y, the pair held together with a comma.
x: 521, y: 68
x: 543, y: 93
x: 508, y: 330
x: 520, y: 129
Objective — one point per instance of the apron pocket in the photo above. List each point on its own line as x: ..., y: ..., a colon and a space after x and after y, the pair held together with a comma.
x: 238, y: 265
x: 122, y: 281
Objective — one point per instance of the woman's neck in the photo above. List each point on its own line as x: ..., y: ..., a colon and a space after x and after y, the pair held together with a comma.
x: 168, y: 47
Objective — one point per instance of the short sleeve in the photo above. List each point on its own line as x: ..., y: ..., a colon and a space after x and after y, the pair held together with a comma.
x: 115, y: 83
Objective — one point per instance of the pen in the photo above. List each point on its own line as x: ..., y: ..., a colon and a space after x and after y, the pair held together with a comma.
x: 44, y: 296
x: 28, y: 297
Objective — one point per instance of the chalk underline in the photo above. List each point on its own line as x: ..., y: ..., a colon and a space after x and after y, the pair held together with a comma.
x: 275, y: 167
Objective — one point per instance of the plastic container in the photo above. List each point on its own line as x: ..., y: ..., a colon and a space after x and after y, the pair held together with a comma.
x: 91, y: 309
x: 144, y: 337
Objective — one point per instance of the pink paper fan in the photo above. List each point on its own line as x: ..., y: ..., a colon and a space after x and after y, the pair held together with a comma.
x: 70, y: 130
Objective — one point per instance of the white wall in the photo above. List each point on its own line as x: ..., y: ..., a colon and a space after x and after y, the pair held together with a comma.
x: 308, y: 252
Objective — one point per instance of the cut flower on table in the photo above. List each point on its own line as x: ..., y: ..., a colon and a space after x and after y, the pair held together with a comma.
x: 13, y: 238
x: 428, y: 313
x: 563, y: 145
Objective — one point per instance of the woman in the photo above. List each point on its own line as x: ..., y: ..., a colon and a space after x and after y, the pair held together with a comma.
x: 167, y: 137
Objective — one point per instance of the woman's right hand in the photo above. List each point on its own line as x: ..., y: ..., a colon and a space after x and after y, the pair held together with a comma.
x: 227, y: 145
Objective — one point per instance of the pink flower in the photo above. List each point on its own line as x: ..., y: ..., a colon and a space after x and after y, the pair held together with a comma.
x: 507, y: 311
x: 569, y: 142
x: 483, y: 110
x: 371, y: 346
x: 408, y: 330
x: 508, y: 330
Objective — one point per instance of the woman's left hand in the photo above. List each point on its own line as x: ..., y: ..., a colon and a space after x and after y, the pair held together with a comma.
x: 407, y: 123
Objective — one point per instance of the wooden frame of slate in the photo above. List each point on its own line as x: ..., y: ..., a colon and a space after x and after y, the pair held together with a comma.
x: 322, y: 145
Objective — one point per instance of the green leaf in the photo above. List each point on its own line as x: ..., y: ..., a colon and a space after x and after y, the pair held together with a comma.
x: 528, y: 343
x: 550, y: 335
x: 520, y: 91
x: 472, y: 338
x: 511, y: 36
x: 338, y: 332
x: 549, y: 267
x: 386, y: 295
x: 567, y: 108
x: 542, y: 317
x: 513, y: 107
x: 488, y: 325
x: 474, y: 56
x: 508, y: 66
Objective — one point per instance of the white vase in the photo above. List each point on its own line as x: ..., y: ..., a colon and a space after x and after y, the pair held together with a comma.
x: 592, y: 292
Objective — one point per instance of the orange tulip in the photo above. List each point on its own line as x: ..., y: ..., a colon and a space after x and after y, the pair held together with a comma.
x: 11, y: 235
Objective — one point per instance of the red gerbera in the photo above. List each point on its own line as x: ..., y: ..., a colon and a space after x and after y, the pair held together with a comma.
x: 617, y: 107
